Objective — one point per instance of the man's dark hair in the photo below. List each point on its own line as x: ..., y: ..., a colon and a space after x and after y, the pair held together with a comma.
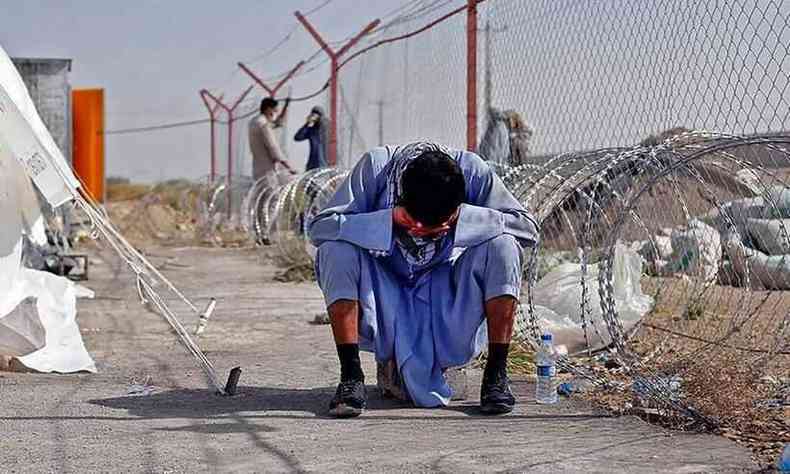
x: 433, y: 187
x: 268, y: 104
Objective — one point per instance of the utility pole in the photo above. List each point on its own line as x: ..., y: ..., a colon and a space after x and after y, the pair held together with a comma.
x: 487, y: 80
x: 471, y: 75
x: 487, y: 83
x: 380, y: 104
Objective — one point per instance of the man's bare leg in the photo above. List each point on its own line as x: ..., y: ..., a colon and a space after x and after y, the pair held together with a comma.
x: 500, y: 317
x: 495, y: 396
x: 350, y: 399
x: 344, y: 316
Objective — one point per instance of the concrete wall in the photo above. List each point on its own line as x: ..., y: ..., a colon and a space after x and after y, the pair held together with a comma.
x: 48, y: 82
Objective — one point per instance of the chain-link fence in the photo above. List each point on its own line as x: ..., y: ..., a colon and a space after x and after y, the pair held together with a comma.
x: 594, y: 74
x: 406, y: 90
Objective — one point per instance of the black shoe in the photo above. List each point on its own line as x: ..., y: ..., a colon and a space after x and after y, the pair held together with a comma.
x: 495, y: 395
x: 350, y: 399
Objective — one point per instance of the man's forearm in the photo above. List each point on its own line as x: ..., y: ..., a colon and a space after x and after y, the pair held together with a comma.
x: 478, y: 224
x: 370, y: 230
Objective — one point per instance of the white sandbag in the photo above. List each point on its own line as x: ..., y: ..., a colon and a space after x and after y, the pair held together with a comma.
x: 773, y: 204
x: 749, y: 179
x: 697, y: 251
x: 777, y: 203
x: 771, y: 236
x: 558, y: 295
x: 736, y: 213
x: 771, y: 272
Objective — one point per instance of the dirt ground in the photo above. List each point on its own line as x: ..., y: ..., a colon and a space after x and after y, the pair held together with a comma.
x: 277, y: 423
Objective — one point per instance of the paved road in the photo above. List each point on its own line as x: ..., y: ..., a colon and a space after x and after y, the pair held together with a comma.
x: 89, y: 423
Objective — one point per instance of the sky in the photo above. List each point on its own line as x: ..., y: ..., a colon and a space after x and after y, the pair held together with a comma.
x: 152, y: 58
x: 582, y: 74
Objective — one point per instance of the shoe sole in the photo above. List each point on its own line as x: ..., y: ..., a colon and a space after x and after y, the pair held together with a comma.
x: 496, y: 408
x: 345, y: 411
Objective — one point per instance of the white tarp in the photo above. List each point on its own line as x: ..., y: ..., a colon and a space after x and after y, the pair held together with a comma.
x: 557, y: 299
x: 32, y: 300
x: 56, y: 301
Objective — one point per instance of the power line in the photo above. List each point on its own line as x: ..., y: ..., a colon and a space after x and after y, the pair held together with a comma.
x: 411, y: 11
x: 152, y: 128
x: 319, y: 7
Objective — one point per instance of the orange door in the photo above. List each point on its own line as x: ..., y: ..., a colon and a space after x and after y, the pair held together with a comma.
x: 88, y: 135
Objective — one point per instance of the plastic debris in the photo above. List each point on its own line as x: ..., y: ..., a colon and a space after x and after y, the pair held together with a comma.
x: 557, y: 299
x: 141, y: 389
x: 783, y: 463
x: 696, y: 251
x: 645, y: 388
x: 567, y: 389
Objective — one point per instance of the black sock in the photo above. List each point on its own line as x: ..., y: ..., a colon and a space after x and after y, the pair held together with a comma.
x: 350, y: 366
x: 497, y: 358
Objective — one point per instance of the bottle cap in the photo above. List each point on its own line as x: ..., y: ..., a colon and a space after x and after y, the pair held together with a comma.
x: 545, y: 337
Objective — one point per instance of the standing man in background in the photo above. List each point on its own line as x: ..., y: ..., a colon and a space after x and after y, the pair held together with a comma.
x: 266, y: 153
x: 316, y: 130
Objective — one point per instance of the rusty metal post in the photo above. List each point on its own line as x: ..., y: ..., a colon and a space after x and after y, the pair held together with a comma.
x: 229, y: 110
x: 272, y: 91
x: 334, y: 57
x: 333, y: 112
x: 212, y: 113
x: 471, y: 75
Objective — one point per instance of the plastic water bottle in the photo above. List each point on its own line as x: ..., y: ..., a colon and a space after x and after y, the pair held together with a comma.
x: 546, y: 360
x: 205, y: 316
x: 783, y: 464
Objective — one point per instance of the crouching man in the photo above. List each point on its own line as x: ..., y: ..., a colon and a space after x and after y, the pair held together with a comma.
x: 420, y: 261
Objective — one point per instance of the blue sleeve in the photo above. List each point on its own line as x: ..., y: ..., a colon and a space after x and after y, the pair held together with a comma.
x: 350, y: 215
x: 490, y: 210
x: 303, y: 133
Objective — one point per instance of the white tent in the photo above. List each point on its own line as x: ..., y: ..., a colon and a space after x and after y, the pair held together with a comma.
x: 37, y: 309
x: 28, y: 152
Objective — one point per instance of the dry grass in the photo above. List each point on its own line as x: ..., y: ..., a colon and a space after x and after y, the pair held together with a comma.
x: 721, y: 353
x: 151, y: 214
x: 126, y: 191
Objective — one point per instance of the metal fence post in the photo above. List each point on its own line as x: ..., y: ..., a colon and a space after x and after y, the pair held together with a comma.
x: 471, y: 75
x: 272, y: 91
x: 230, y: 110
x: 334, y: 57
x: 212, y: 113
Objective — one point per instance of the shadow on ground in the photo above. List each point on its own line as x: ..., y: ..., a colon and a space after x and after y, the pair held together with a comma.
x: 287, y: 403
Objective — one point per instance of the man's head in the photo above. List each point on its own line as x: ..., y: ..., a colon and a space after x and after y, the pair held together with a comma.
x: 269, y: 107
x: 433, y: 187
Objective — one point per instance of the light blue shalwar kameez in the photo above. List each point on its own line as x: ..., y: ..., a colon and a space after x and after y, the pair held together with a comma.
x: 428, y: 317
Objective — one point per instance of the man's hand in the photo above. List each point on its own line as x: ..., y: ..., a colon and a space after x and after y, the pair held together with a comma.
x: 403, y: 219
x: 287, y: 166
